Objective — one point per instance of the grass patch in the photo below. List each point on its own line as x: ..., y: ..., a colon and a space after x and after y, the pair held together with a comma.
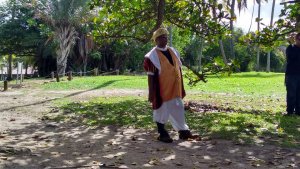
x: 100, y: 82
x: 121, y: 111
x: 248, y: 128
x: 249, y: 83
x: 250, y: 103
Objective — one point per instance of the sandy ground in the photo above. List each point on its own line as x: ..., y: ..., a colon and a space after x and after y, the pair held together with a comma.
x: 27, y: 141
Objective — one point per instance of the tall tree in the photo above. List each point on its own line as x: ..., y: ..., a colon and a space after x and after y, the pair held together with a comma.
x: 63, y: 17
x: 11, y: 13
x: 288, y: 22
x: 271, y: 25
x: 220, y: 41
x: 233, y: 17
x: 231, y: 4
x: 85, y: 44
x: 258, y: 29
x: 17, y: 37
x: 138, y: 19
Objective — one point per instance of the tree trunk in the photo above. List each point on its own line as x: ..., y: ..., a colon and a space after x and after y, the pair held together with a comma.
x: 170, y: 36
x: 66, y: 36
x: 214, y: 13
x: 223, y: 52
x: 160, y: 8
x: 258, y: 29
x: 82, y: 52
x: 232, y: 29
x: 9, y: 70
x: 84, y: 68
x: 199, y: 53
x: 26, y: 69
x: 104, y: 62
x: 271, y: 24
x: 85, y: 45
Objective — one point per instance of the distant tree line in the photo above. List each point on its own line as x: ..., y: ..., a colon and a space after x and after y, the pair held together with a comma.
x: 80, y: 35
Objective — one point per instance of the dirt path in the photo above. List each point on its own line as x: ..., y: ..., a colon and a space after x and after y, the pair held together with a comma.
x: 28, y: 141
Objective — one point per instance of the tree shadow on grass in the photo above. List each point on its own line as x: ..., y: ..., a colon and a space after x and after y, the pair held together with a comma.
x: 289, y: 130
x: 67, y: 96
x: 254, y: 75
x: 52, y: 145
x: 221, y: 126
x: 102, y: 111
x: 248, y: 127
x: 258, y: 75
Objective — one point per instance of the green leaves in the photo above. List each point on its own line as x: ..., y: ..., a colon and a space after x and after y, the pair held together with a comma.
x: 276, y: 35
x: 137, y: 19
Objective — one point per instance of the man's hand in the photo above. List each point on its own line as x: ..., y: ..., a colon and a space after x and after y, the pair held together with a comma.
x: 151, y: 87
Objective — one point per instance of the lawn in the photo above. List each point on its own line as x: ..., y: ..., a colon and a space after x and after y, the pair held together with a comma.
x: 99, y: 82
x: 252, y: 83
x: 245, y: 107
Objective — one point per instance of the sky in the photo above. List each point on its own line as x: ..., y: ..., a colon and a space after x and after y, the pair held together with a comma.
x: 244, y: 18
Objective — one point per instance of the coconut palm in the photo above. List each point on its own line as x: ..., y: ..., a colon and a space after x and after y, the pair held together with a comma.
x: 85, y: 46
x: 271, y: 24
x: 231, y: 5
x: 220, y: 41
x: 258, y: 29
x: 242, y: 4
x: 64, y: 17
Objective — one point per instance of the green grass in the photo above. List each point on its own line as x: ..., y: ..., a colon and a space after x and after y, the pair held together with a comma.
x: 100, y: 82
x: 122, y: 111
x: 256, y: 101
x: 250, y: 83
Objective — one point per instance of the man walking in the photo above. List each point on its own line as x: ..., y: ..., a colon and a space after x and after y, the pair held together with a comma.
x: 166, y: 90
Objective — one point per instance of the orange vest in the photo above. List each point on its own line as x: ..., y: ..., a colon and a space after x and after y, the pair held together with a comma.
x: 169, y: 77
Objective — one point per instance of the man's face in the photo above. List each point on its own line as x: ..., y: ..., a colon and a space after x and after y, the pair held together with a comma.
x: 161, y: 41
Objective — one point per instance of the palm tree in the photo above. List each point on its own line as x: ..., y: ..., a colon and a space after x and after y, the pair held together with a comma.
x: 85, y: 44
x: 271, y: 24
x: 200, y: 42
x: 10, y: 57
x: 220, y: 41
x: 63, y: 16
x: 258, y: 29
x: 241, y: 4
x: 231, y: 5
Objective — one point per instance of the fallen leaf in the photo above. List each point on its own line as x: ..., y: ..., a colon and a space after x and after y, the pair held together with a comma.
x: 133, y: 138
x: 179, y: 164
x: 290, y: 154
x: 3, y: 158
x: 227, y: 161
x: 154, y: 161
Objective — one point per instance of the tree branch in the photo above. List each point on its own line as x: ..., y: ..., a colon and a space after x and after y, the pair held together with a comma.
x: 290, y: 2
